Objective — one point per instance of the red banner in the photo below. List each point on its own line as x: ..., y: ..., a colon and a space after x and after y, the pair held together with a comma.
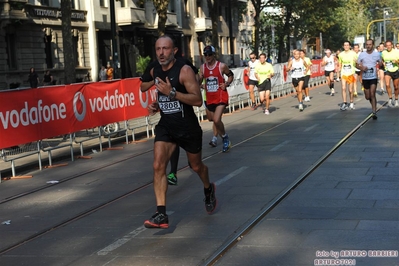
x: 35, y: 114
x: 317, y: 69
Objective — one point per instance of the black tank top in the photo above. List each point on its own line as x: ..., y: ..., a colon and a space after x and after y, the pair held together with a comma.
x: 174, y: 113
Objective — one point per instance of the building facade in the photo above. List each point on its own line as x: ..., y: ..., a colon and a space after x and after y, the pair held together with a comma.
x: 31, y: 36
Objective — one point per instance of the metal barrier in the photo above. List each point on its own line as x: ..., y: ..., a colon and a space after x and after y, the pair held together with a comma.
x: 152, y: 121
x: 78, y: 139
x: 49, y: 147
x: 22, y: 151
x: 137, y: 123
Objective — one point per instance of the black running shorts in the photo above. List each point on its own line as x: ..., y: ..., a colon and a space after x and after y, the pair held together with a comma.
x: 265, y: 85
x: 295, y: 81
x: 368, y: 82
x: 327, y: 73
x: 190, y: 140
x: 252, y: 82
x: 212, y: 107
x: 393, y: 75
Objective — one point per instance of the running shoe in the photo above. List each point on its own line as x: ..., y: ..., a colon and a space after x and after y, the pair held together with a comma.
x: 210, y: 200
x: 355, y: 94
x: 172, y: 179
x: 383, y: 91
x: 300, y: 107
x: 374, y: 116
x: 213, y: 142
x: 307, y: 99
x: 253, y: 107
x: 158, y: 220
x: 226, y: 144
x: 332, y: 92
x: 344, y: 106
x: 351, y: 106
x: 267, y: 112
x: 390, y: 103
x: 396, y: 103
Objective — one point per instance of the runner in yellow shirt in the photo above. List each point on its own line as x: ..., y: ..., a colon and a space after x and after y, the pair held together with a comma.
x: 347, y: 63
x: 264, y: 72
x: 390, y: 58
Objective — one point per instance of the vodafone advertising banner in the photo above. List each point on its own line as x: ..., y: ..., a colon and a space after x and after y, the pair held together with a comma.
x: 35, y: 114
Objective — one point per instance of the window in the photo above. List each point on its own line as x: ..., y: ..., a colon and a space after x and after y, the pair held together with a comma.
x: 102, y: 3
x: 48, y: 51
x: 123, y: 3
x: 11, y: 51
x: 45, y: 2
x: 75, y: 40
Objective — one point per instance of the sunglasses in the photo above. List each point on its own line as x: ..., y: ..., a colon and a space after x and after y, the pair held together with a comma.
x: 208, y: 54
x: 253, y: 57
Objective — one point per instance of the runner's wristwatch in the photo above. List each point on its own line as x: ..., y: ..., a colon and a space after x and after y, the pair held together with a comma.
x: 172, y: 94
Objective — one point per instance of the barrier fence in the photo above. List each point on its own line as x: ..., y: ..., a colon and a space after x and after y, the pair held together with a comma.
x: 32, y: 115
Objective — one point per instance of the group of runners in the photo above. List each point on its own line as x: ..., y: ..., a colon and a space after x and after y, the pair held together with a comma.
x: 351, y: 66
x: 369, y: 67
x: 178, y: 84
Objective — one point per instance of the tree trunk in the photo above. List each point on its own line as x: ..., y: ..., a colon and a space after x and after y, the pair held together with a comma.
x: 213, y: 7
x: 162, y: 10
x: 69, y: 53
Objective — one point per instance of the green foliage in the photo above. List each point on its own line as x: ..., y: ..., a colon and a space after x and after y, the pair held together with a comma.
x: 142, y: 63
x: 242, y: 9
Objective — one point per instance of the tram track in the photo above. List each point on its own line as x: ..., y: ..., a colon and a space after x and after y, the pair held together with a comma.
x: 247, y: 228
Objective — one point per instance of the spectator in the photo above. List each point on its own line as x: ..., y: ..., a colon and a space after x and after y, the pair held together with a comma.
x: 110, y: 71
x: 47, y: 78
x: 33, y: 78
x: 103, y: 73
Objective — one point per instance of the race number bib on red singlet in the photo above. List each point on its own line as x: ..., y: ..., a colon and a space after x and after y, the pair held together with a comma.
x: 212, y: 84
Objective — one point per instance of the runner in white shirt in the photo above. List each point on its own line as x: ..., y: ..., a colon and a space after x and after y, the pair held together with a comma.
x: 330, y: 63
x: 358, y: 72
x: 367, y: 62
x: 298, y: 68
x: 252, y: 82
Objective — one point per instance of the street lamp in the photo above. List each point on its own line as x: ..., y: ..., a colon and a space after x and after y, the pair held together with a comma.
x: 384, y: 13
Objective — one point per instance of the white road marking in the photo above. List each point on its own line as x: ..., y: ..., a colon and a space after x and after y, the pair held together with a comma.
x: 310, y: 128
x: 331, y: 115
x: 118, y: 243
x: 280, y: 145
x: 229, y: 176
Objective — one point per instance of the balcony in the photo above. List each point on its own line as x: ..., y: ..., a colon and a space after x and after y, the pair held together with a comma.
x: 171, y: 20
x: 202, y: 24
x: 127, y: 16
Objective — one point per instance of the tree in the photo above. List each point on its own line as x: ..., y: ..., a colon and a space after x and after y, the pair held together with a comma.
x: 213, y: 7
x: 162, y: 10
x: 259, y: 5
x: 69, y: 54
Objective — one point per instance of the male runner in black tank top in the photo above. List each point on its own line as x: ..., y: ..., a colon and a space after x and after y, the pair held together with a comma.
x: 178, y: 92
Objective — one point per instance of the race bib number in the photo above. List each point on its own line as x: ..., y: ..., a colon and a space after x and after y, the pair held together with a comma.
x: 370, y: 73
x: 388, y: 65
x: 347, y: 69
x: 212, y: 84
x: 167, y: 106
x: 170, y: 107
x: 297, y: 72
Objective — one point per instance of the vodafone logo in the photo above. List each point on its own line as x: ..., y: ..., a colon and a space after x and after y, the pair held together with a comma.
x: 79, y: 106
